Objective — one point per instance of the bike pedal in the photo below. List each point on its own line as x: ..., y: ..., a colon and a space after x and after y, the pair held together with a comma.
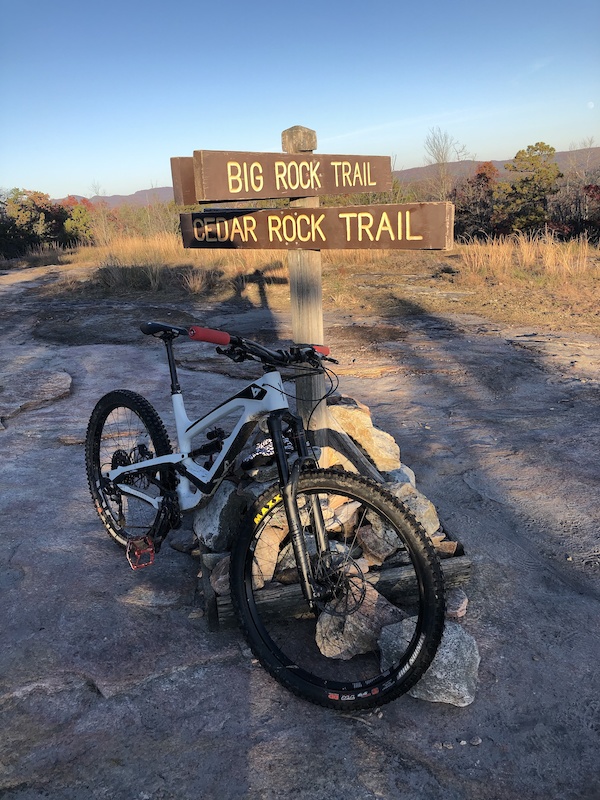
x: 140, y: 552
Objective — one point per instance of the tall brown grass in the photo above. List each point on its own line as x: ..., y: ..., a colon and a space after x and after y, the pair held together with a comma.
x: 525, y: 256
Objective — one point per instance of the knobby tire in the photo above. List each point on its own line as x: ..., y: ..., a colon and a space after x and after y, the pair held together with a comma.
x: 125, y: 428
x: 377, y: 632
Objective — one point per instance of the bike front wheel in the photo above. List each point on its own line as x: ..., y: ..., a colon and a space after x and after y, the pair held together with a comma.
x: 125, y: 429
x: 379, y: 616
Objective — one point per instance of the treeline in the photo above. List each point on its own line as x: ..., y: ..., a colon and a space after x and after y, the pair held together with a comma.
x: 30, y: 221
x: 532, y: 195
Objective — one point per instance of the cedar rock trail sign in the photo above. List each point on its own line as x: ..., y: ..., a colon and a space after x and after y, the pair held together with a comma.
x: 409, y: 226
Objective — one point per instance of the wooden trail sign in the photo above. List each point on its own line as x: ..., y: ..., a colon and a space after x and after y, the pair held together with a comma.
x: 215, y: 175
x: 406, y: 226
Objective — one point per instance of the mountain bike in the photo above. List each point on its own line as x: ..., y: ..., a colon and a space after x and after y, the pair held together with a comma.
x: 335, y: 584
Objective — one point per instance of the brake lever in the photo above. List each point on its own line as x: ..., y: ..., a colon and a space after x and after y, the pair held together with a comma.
x: 234, y: 353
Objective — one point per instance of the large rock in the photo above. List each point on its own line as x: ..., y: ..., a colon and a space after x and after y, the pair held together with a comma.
x: 377, y: 541
x: 355, y: 419
x: 421, y: 507
x: 452, y: 676
x: 218, y: 521
x: 344, y: 637
x: 402, y: 475
x: 267, y: 551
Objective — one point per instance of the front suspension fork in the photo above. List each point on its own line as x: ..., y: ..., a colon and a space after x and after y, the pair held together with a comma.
x: 288, y: 482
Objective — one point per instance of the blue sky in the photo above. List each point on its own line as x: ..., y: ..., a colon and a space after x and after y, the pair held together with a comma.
x: 102, y: 94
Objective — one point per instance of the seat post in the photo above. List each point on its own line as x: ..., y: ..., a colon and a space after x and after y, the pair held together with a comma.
x: 168, y: 342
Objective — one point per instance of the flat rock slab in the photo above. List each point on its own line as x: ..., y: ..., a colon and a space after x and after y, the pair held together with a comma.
x: 112, y: 685
x: 26, y: 389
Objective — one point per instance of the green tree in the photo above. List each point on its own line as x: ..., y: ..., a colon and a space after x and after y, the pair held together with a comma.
x: 536, y: 175
x: 38, y: 219
x: 78, y: 225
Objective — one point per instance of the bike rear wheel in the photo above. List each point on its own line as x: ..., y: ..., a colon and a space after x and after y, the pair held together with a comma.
x: 380, y: 618
x: 124, y: 429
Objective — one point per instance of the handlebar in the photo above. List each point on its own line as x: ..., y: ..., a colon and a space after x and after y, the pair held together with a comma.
x: 238, y: 349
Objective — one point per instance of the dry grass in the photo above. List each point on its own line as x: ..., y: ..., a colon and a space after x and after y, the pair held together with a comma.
x: 523, y: 255
x: 519, y: 279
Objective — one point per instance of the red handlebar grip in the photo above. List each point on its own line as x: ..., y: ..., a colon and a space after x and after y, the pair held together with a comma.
x: 208, y: 335
x: 321, y: 348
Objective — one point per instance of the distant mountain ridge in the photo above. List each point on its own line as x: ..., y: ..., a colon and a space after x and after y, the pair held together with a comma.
x: 143, y: 197
x: 565, y: 159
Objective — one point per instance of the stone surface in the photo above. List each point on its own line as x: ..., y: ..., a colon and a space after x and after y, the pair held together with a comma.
x: 355, y: 418
x: 217, y: 523
x: 421, y: 507
x: 345, y: 637
x: 219, y: 577
x: 105, y: 700
x: 453, y: 675
x: 30, y: 388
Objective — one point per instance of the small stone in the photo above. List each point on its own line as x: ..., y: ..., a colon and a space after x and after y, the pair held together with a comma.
x: 219, y: 577
x: 456, y: 603
x: 446, y: 548
x: 184, y: 541
x: 448, y: 746
x: 462, y: 742
x: 438, y: 745
x: 475, y: 741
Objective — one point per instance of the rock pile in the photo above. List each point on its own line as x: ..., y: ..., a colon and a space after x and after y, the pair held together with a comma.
x: 378, y: 623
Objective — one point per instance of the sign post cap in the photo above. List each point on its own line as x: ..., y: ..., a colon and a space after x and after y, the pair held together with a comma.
x: 298, y: 140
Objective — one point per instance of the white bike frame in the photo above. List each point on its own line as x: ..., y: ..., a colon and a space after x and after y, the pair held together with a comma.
x: 261, y: 397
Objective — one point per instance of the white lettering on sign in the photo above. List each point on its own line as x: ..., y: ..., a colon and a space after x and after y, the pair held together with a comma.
x: 295, y: 227
x: 244, y: 176
x: 220, y: 229
x: 291, y: 175
x: 361, y: 225
x: 352, y: 177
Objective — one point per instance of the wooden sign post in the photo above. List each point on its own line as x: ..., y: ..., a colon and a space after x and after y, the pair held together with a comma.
x: 306, y: 296
x: 303, y: 229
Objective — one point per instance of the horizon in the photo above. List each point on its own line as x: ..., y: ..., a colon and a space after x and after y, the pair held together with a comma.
x: 105, y: 114
x: 149, y: 190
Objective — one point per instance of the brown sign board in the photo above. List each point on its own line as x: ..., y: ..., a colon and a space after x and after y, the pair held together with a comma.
x: 216, y: 175
x: 406, y: 226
